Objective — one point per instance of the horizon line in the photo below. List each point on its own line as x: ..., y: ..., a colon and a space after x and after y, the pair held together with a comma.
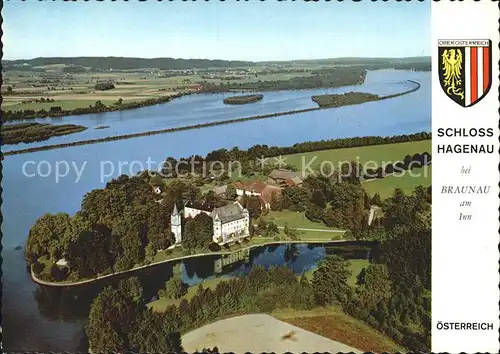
x: 241, y: 60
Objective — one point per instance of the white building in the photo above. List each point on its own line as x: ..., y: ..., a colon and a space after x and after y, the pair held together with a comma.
x: 176, y: 225
x: 230, y: 222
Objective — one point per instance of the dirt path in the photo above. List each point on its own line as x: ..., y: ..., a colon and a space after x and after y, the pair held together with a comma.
x: 320, y: 230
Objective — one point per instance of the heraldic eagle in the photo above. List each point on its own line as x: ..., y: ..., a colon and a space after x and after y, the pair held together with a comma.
x: 452, y: 70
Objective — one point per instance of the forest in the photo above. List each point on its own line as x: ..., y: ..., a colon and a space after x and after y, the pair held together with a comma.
x: 392, y: 293
x: 31, y: 132
x: 123, y: 225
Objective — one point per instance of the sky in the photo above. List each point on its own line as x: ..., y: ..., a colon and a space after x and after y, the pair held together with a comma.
x: 246, y: 30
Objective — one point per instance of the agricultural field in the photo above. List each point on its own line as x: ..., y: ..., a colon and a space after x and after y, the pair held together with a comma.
x: 23, y: 90
x: 332, y: 322
x: 375, y: 154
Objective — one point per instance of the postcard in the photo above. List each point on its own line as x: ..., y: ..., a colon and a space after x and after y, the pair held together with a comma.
x: 250, y: 176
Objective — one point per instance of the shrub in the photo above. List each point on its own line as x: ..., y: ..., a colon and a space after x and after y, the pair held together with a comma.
x: 58, y: 274
x: 102, y: 86
x: 214, y: 247
x: 38, y: 267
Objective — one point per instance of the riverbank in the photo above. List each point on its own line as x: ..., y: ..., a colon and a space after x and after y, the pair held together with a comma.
x: 267, y: 241
x: 155, y: 132
x: 189, y: 127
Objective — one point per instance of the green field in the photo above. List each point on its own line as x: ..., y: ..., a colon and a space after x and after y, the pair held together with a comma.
x: 377, y: 154
x: 385, y: 186
x: 294, y: 220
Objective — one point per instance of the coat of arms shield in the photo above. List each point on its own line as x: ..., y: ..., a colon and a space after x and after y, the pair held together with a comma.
x: 465, y: 69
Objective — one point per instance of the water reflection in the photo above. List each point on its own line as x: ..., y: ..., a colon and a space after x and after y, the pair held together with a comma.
x: 73, y: 303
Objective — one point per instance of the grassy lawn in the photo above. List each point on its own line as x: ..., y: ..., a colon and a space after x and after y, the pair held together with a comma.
x: 385, y: 186
x: 294, y: 220
x: 48, y: 264
x: 378, y: 154
x: 331, y: 322
x: 355, y: 266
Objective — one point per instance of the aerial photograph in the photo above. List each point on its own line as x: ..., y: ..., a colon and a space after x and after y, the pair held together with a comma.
x: 216, y: 177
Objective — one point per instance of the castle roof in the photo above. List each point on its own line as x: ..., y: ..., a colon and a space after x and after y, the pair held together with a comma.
x: 267, y: 193
x: 251, y: 186
x: 229, y: 212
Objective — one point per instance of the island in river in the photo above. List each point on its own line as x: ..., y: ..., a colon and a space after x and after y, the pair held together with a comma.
x: 31, y: 132
x: 243, y: 99
x: 345, y: 99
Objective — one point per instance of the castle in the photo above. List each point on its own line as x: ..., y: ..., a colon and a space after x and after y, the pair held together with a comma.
x: 230, y: 222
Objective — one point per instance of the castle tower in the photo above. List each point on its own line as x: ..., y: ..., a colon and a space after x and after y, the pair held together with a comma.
x: 217, y: 222
x: 246, y: 229
x: 175, y: 224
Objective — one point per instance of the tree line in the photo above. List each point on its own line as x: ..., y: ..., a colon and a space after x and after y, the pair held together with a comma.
x: 123, y: 63
x: 409, y: 162
x: 392, y: 293
x: 173, y: 166
x: 335, y: 77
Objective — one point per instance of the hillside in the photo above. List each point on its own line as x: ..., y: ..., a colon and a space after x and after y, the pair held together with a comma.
x: 122, y: 63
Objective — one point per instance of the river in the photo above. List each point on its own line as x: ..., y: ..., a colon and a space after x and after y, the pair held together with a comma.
x: 203, y: 108
x: 28, y: 325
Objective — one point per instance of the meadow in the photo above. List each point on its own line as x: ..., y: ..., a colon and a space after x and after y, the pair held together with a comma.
x: 374, y: 154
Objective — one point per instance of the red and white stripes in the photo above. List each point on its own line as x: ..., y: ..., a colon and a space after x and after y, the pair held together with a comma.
x: 477, y: 75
